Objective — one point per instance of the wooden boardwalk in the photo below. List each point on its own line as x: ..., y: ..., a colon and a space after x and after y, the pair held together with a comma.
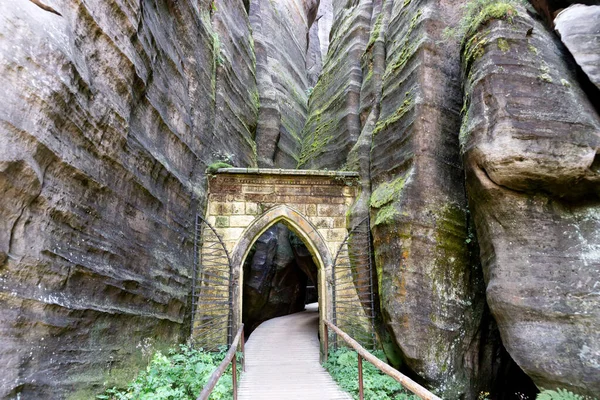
x: 282, y: 361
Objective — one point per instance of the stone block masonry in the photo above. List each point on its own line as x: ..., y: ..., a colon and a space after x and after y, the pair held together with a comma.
x: 237, y: 196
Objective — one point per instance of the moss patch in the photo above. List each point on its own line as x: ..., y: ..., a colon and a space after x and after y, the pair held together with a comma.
x: 214, y: 167
x: 503, y: 45
x: 396, y: 116
x: 385, y: 198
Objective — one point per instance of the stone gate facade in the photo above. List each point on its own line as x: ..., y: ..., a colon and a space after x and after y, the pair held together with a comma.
x: 244, y: 203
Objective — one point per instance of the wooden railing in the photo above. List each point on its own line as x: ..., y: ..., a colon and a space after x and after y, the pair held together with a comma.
x: 383, y: 367
x: 229, y: 358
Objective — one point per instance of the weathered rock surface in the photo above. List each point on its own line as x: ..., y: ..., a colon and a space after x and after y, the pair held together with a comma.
x: 109, y: 114
x: 530, y: 140
x: 579, y: 29
x: 284, y: 56
x: 333, y: 125
x: 430, y: 289
x: 274, y: 285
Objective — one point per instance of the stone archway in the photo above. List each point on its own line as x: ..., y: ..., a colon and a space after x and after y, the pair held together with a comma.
x: 306, y: 231
x: 243, y: 203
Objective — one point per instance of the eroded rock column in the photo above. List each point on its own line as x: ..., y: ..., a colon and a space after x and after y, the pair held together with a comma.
x: 530, y: 141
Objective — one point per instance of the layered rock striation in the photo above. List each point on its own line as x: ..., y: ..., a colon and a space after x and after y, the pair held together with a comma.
x: 530, y: 141
x: 289, y: 55
x: 109, y: 114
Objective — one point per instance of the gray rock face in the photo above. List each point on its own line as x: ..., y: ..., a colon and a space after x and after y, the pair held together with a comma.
x: 530, y: 140
x: 109, y: 114
x: 430, y: 288
x: 284, y: 57
x: 333, y: 125
x: 387, y: 105
x: 579, y: 29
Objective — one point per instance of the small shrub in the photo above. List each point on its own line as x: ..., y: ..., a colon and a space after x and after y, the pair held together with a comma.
x: 342, y: 364
x: 179, y: 375
x: 214, y: 167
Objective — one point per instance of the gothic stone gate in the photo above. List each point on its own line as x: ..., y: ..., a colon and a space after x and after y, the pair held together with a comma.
x: 243, y: 204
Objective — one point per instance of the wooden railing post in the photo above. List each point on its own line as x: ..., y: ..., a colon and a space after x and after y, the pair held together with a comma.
x: 234, y: 376
x: 326, y: 343
x: 230, y: 358
x: 361, y: 394
x: 243, y: 353
x: 408, y: 383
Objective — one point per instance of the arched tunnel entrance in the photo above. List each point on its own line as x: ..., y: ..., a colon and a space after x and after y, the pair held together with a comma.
x: 280, y: 277
x: 275, y: 258
x: 266, y: 237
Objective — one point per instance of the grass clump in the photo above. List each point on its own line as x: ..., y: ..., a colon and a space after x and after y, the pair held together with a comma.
x: 342, y: 364
x: 179, y: 375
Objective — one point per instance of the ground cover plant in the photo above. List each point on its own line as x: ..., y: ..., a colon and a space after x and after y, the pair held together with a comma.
x: 342, y: 364
x: 179, y: 375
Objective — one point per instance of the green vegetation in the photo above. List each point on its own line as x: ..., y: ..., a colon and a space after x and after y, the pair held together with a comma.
x: 387, y: 192
x: 180, y: 375
x: 560, y: 394
x: 396, y: 116
x: 406, y: 49
x: 503, y: 45
x: 342, y: 364
x: 383, y: 199
x: 478, y: 12
x: 375, y: 31
x: 214, y: 167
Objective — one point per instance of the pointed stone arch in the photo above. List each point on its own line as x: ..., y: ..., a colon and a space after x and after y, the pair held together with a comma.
x: 306, y: 231
x: 243, y: 203
x: 297, y: 222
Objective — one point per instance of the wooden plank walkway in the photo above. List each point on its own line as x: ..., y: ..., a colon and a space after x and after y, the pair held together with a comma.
x: 282, y: 361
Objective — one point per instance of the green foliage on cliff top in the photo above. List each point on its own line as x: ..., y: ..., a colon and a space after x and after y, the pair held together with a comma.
x: 179, y: 375
x: 342, y: 364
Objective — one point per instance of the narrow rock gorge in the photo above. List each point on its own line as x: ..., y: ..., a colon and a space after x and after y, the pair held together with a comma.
x: 474, y: 126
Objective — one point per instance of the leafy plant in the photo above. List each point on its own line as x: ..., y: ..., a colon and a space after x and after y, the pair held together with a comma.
x: 342, y: 364
x: 560, y: 394
x: 179, y: 375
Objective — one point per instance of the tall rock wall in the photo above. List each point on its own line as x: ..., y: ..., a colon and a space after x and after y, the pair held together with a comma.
x: 430, y: 287
x: 288, y: 60
x: 109, y: 114
x: 531, y: 148
x: 333, y: 126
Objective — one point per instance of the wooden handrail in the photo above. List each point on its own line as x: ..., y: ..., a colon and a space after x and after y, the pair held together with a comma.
x: 383, y: 367
x: 229, y: 358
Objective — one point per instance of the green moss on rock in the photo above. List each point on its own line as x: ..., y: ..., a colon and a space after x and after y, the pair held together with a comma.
x: 400, y: 112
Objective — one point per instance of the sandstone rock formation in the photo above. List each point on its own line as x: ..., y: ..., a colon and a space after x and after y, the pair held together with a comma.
x: 530, y: 140
x: 111, y: 111
x: 579, y: 29
x: 109, y: 115
x: 288, y: 59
